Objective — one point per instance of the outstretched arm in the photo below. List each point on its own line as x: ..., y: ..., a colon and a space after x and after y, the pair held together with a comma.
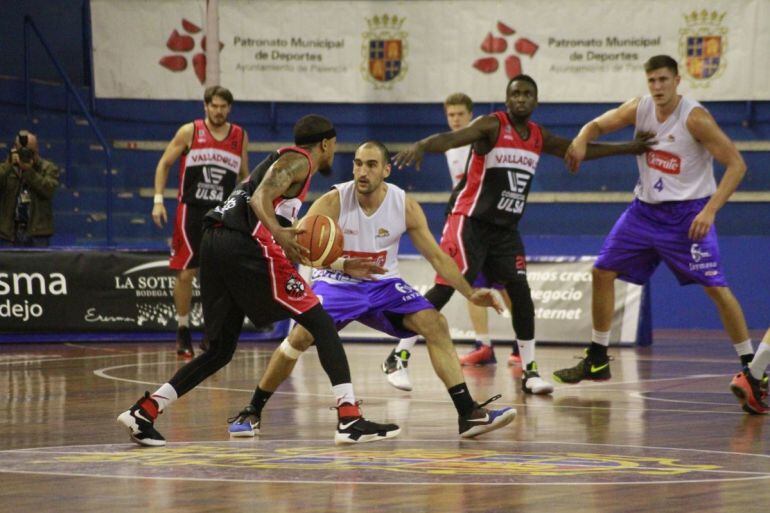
x: 480, y: 129
x: 610, y: 121
x: 417, y: 227
x: 558, y: 146
x: 704, y: 128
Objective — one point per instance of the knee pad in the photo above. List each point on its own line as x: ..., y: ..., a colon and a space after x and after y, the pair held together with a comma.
x: 288, y: 350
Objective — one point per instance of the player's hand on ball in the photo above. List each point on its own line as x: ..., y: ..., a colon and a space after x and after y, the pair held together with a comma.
x: 487, y: 297
x: 363, y: 268
x: 287, y: 239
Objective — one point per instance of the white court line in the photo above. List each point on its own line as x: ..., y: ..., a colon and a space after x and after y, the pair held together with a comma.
x: 641, y: 395
x: 103, y: 373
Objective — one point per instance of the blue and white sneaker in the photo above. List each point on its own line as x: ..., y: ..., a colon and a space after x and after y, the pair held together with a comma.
x: 245, y: 424
x: 482, y: 420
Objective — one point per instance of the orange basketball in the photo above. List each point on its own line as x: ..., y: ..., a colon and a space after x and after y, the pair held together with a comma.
x: 322, y: 237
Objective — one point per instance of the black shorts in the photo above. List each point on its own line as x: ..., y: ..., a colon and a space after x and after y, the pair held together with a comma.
x: 476, y: 247
x: 240, y: 277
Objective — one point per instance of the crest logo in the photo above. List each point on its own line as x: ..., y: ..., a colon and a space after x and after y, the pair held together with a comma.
x: 697, y: 253
x: 384, y: 51
x: 702, y: 44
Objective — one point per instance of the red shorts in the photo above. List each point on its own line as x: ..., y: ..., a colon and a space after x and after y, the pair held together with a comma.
x: 188, y: 230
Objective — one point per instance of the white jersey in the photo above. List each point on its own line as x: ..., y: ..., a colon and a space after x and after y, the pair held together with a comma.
x: 374, y: 236
x: 456, y: 159
x: 678, y: 167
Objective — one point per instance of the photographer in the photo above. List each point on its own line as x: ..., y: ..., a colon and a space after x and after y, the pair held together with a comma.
x: 27, y: 186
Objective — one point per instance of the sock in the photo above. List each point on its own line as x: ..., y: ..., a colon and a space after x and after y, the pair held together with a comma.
x: 597, y: 352
x: 259, y: 399
x: 600, y: 337
x: 483, y: 339
x: 527, y: 351
x: 745, y: 351
x: 164, y: 396
x: 462, y: 399
x: 183, y: 321
x: 343, y: 393
x: 407, y: 344
x: 761, y: 360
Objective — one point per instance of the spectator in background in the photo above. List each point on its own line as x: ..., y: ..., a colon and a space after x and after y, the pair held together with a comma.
x: 27, y: 186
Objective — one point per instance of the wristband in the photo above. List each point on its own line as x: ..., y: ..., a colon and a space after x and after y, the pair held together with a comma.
x: 338, y: 265
x: 157, y: 199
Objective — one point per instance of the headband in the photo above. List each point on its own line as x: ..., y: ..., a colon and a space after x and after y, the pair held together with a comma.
x: 314, y: 138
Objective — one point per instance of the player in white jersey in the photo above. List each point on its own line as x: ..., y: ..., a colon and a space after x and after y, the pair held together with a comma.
x: 458, y: 108
x: 366, y: 287
x: 672, y: 217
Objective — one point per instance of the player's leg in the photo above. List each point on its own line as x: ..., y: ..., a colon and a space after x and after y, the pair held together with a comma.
x: 483, y: 352
x: 514, y: 359
x: 183, y: 289
x: 747, y: 385
x: 628, y: 253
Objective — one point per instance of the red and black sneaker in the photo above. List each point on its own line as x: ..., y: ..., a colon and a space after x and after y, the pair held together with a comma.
x: 140, y: 421
x: 748, y: 390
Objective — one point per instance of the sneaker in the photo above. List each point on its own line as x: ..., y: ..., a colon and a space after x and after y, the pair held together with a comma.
x: 747, y: 389
x: 480, y: 355
x: 514, y: 360
x: 482, y: 420
x: 352, y: 428
x: 141, y: 424
x: 394, y: 368
x: 532, y: 383
x: 585, y: 369
x: 184, y: 342
x: 246, y: 423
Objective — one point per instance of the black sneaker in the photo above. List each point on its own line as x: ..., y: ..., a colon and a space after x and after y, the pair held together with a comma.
x: 482, y: 420
x: 140, y: 424
x: 352, y: 428
x: 595, y: 370
x: 246, y: 423
x: 184, y: 342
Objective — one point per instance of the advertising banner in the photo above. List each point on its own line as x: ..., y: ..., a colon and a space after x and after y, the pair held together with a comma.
x: 420, y: 51
x: 91, y: 291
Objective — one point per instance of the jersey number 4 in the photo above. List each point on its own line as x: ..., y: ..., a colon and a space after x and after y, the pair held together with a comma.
x: 658, y: 185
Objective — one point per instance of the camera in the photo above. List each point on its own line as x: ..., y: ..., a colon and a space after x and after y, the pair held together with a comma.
x: 26, y: 155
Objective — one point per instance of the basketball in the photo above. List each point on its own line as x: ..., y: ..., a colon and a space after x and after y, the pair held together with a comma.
x: 322, y: 237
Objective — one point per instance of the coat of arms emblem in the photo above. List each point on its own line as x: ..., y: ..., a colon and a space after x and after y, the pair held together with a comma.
x: 702, y: 45
x: 384, y: 51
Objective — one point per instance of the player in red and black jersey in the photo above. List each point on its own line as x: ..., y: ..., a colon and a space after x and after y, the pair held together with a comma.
x: 213, y: 158
x: 481, y: 232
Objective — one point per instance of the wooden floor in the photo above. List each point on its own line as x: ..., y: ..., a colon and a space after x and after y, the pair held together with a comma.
x: 664, y: 435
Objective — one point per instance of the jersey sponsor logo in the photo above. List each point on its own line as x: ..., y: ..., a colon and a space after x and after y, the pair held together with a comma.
x: 698, y: 253
x: 515, y: 199
x: 512, y: 158
x: 664, y: 162
x: 214, y: 157
x: 213, y: 175
x: 382, y: 232
x: 379, y: 257
x: 295, y: 287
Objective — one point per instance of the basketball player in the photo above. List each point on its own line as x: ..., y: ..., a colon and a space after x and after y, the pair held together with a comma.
x: 247, y: 252
x: 458, y: 108
x: 672, y: 217
x: 480, y: 232
x: 373, y: 215
x: 749, y: 385
x: 213, y: 159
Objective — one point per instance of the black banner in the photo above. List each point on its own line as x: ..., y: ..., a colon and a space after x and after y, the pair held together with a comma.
x: 62, y: 290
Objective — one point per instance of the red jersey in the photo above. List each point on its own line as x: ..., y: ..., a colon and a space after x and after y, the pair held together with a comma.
x: 496, y: 185
x: 209, y: 170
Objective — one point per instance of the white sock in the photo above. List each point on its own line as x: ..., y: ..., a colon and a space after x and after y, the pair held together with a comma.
x: 761, y: 360
x: 483, y: 339
x: 744, y: 347
x: 164, y: 396
x: 407, y: 343
x: 183, y: 321
x: 343, y: 393
x: 526, y: 351
x: 600, y: 337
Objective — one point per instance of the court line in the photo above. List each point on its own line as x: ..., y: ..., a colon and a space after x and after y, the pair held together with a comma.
x: 641, y: 395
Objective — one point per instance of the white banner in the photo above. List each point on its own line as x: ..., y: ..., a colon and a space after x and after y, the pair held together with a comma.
x: 420, y: 51
x: 561, y: 291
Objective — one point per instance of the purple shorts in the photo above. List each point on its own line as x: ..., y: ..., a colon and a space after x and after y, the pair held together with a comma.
x: 379, y: 304
x: 647, y: 233
x: 482, y: 282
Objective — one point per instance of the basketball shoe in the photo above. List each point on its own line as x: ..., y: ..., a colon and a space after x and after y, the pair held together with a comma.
x: 587, y: 368
x: 514, y: 360
x: 184, y: 342
x: 140, y: 421
x: 395, y: 369
x: 483, y: 420
x: 748, y: 390
x: 246, y: 423
x: 532, y: 383
x: 353, y: 428
x: 480, y: 355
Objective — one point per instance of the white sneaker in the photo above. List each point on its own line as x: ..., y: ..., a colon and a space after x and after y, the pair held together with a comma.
x: 395, y: 370
x: 532, y: 383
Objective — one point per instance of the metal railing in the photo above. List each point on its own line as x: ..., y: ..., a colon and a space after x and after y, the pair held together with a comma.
x: 71, y: 91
